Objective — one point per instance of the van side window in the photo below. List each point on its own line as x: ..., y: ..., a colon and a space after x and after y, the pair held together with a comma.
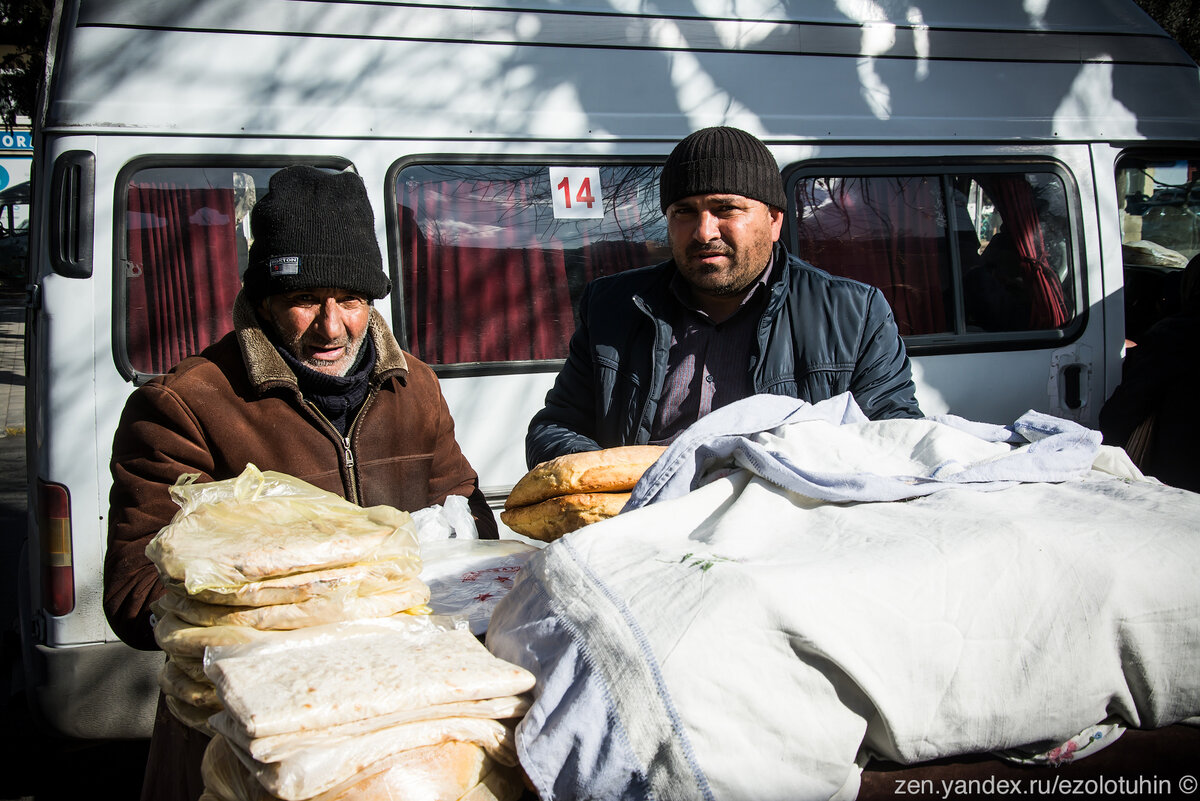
x: 185, y: 244
x: 492, y: 262
x: 1159, y: 197
x: 954, y: 253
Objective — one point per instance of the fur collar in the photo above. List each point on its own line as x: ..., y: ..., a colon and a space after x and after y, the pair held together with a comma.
x: 267, y: 368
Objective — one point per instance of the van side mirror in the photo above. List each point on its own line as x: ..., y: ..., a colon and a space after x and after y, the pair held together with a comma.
x: 72, y: 213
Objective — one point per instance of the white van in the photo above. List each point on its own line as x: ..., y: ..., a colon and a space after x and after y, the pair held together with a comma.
x: 1018, y: 178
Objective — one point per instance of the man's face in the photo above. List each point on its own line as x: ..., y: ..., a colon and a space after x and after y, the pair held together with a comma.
x: 322, y: 328
x: 721, y: 243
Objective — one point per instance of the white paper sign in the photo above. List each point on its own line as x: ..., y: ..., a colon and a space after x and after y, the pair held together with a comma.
x: 576, y: 192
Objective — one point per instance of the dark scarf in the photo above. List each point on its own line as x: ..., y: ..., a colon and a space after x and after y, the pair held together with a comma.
x: 338, y: 397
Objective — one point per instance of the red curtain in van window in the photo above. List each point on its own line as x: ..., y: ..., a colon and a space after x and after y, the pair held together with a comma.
x: 503, y: 297
x: 182, y: 276
x: 613, y: 255
x: 887, y: 232
x: 1017, y: 205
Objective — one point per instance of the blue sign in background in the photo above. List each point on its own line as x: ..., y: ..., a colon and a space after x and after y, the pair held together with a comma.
x: 4, y: 178
x: 16, y: 140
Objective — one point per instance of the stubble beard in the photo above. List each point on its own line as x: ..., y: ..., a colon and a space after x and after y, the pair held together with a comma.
x: 340, y: 367
x: 743, y: 268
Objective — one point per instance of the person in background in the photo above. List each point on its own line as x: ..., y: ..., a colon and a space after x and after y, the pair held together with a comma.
x: 732, y: 314
x: 311, y: 383
x: 1152, y: 413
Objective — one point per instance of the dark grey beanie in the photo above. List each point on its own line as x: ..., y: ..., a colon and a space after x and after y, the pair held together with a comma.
x: 314, y: 229
x: 721, y: 160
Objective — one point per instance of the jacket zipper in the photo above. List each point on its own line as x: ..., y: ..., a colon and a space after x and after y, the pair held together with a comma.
x: 347, y: 450
x: 350, y: 461
x: 645, y: 421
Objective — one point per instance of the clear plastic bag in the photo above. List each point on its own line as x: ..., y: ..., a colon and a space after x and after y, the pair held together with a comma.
x: 191, y: 716
x: 178, y: 638
x: 328, y: 675
x: 451, y: 520
x: 312, y: 771
x: 346, y: 604
x: 469, y: 577
x: 177, y: 684
x: 444, y: 772
x: 278, y: 747
x: 264, y: 524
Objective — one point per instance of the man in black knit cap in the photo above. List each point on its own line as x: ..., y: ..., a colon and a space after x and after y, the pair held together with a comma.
x: 732, y: 314
x: 310, y: 383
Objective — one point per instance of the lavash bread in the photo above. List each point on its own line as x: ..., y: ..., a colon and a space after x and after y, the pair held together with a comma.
x: 308, y: 710
x: 572, y: 491
x: 176, y: 683
x: 329, y: 608
x: 294, y: 588
x: 263, y: 552
x: 443, y: 772
x: 299, y: 638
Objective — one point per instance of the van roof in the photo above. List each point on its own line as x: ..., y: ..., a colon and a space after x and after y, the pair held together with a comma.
x: 623, y: 69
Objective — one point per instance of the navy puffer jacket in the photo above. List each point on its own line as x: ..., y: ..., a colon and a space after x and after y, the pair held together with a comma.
x: 819, y: 336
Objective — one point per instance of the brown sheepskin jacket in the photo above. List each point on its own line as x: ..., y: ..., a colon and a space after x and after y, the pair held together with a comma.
x: 238, y: 403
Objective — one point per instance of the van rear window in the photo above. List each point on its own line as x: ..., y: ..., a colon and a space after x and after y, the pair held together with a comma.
x: 955, y: 253
x: 493, y: 258
x: 185, y: 246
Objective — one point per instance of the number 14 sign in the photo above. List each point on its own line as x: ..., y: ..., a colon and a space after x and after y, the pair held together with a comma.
x: 576, y: 192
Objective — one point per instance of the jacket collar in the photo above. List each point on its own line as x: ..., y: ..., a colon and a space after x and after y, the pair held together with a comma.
x: 779, y: 289
x: 659, y: 292
x: 266, y: 368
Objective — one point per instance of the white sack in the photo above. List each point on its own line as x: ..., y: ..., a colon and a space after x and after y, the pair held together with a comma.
x: 742, y: 641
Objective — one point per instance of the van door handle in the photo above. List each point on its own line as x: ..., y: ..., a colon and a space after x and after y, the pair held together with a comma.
x: 1072, y: 376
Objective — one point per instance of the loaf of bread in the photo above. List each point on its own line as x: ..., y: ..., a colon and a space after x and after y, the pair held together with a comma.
x: 608, y: 470
x: 572, y: 491
x: 554, y: 517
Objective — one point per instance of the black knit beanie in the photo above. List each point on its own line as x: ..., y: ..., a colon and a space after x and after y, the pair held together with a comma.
x: 721, y: 160
x: 314, y: 229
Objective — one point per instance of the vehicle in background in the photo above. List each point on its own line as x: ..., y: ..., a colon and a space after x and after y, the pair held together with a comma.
x: 14, y: 236
x: 1010, y: 175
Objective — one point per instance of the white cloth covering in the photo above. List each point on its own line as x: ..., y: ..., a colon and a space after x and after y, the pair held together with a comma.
x: 742, y: 640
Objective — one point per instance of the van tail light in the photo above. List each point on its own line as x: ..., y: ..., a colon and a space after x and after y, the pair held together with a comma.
x: 54, y: 525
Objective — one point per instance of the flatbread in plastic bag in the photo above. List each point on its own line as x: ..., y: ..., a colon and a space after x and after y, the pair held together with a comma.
x: 180, y: 639
x: 365, y: 578
x: 192, y: 667
x: 338, y: 673
x: 347, y: 604
x: 191, y: 716
x: 311, y: 771
x: 265, y: 524
x: 174, y: 682
x: 277, y: 747
x: 442, y: 772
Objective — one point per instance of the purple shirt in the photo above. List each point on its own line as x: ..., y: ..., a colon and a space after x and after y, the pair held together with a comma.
x: 709, y: 363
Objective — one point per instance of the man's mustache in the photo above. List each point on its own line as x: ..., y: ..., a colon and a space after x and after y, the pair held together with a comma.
x: 709, y: 250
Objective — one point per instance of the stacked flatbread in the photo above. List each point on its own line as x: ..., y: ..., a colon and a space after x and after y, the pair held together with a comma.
x: 264, y: 553
x: 569, y: 492
x: 401, y: 708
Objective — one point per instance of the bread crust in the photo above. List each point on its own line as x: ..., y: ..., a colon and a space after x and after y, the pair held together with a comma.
x: 607, y: 470
x: 554, y: 517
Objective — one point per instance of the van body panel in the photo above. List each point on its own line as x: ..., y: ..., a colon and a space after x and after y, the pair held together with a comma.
x: 522, y: 73
x: 1107, y: 243
x: 220, y: 87
x: 98, y: 691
